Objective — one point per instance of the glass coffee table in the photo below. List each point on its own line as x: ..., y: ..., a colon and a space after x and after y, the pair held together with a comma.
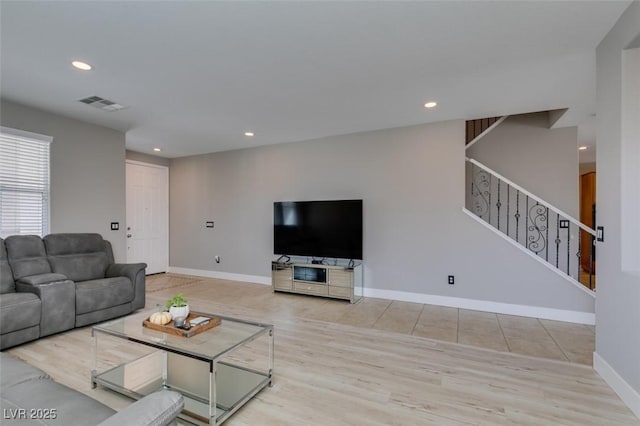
x: 217, y: 371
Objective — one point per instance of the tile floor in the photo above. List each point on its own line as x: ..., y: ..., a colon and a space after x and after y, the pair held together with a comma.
x: 507, y: 333
x: 527, y: 336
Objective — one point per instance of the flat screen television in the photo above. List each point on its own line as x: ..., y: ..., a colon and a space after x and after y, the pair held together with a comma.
x: 318, y: 228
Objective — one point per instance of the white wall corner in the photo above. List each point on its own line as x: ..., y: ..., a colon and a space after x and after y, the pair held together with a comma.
x: 256, y: 279
x: 627, y: 394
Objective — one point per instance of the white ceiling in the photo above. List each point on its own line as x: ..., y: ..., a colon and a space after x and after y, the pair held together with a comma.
x: 196, y: 75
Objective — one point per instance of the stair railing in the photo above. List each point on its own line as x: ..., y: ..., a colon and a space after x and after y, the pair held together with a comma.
x: 544, y: 230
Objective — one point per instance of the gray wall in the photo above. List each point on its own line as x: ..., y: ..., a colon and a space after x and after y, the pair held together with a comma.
x: 412, y: 182
x: 147, y: 158
x: 87, y: 172
x: 618, y: 302
x: 541, y: 160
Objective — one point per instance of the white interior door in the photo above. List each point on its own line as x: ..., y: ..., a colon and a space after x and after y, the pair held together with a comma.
x: 148, y: 215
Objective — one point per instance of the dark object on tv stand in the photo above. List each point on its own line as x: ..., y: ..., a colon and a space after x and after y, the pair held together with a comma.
x: 323, y: 229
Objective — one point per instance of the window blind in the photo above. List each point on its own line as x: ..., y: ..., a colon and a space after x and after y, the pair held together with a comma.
x: 24, y: 183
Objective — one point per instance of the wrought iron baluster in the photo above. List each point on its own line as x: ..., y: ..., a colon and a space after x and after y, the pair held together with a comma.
x: 546, y: 225
x: 489, y: 192
x: 517, y: 215
x: 579, y: 252
x: 537, y: 216
x: 591, y: 259
x: 473, y: 191
x: 508, y: 219
x: 526, y: 224
x: 569, y: 249
x: 557, y: 241
x: 481, y: 193
x: 498, y: 205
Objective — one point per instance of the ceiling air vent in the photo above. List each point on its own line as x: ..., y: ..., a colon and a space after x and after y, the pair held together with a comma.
x: 102, y: 103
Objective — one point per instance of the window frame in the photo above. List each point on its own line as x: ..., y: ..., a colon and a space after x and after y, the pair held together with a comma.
x: 45, y: 139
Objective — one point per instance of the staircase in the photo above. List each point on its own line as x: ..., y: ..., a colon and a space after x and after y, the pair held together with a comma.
x: 534, y: 225
x: 475, y: 129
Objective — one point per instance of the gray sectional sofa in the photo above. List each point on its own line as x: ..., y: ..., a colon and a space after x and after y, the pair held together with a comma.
x: 28, y: 396
x: 62, y: 281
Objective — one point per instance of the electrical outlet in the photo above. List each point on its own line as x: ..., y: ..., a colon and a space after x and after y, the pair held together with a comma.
x: 217, y: 258
x: 115, y: 226
x: 451, y: 280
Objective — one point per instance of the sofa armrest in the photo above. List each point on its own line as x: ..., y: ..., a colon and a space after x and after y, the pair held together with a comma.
x: 158, y: 409
x: 58, y: 301
x: 136, y: 273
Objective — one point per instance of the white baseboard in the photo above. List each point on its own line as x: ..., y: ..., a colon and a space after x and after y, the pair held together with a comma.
x: 403, y: 296
x: 486, y: 306
x: 257, y: 279
x: 627, y: 394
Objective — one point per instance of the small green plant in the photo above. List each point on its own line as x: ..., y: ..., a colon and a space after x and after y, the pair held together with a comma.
x: 177, y: 301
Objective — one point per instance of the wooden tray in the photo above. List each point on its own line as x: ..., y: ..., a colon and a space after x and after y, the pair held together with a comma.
x: 170, y: 328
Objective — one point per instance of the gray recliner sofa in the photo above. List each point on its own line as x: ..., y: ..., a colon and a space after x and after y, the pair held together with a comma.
x: 29, y: 396
x: 62, y: 281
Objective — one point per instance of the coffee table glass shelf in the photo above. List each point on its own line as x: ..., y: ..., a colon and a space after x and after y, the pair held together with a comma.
x: 217, y: 371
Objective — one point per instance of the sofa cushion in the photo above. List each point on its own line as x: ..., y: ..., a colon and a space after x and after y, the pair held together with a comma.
x: 6, y: 275
x: 18, y: 311
x: 71, y: 407
x: 104, y: 293
x: 26, y: 255
x: 18, y: 337
x: 58, y: 244
x: 15, y: 371
x: 80, y: 267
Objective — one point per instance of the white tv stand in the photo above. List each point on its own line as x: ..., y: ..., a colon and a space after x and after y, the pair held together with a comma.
x: 335, y: 281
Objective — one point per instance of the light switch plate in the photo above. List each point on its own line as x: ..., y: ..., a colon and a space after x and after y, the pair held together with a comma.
x: 115, y: 226
x: 208, y: 224
x: 600, y: 233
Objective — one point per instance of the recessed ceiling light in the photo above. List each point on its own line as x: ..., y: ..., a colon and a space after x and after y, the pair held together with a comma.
x: 81, y: 65
x: 157, y: 149
x: 430, y: 104
x: 249, y: 133
x: 583, y: 148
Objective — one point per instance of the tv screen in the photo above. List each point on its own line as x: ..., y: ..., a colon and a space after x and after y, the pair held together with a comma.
x: 318, y: 228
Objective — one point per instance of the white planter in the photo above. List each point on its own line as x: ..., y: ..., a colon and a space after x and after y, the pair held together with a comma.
x: 176, y: 312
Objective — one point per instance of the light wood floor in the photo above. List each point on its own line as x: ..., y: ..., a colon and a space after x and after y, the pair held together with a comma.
x: 527, y: 336
x: 328, y: 372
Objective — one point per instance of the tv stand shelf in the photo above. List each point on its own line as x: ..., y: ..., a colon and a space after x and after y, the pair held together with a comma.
x: 335, y: 281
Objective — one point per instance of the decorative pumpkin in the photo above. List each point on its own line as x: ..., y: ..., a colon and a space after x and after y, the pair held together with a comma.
x: 160, y: 318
